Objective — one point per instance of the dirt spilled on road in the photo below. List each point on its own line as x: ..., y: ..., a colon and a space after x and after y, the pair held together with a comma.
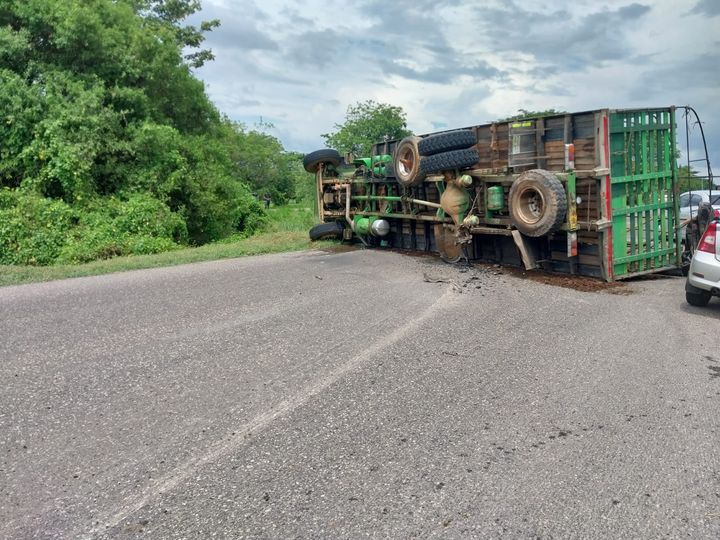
x: 462, y: 274
x: 338, y: 248
x: 577, y: 283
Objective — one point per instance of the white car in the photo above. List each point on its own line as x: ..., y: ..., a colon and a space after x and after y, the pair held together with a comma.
x: 691, y: 200
x: 703, y: 280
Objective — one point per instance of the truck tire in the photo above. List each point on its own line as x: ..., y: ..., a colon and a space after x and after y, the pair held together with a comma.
x: 537, y: 201
x: 327, y: 231
x: 407, y: 162
x: 312, y: 161
x: 449, y: 161
x: 445, y: 142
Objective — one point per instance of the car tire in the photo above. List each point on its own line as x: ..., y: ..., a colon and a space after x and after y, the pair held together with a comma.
x: 312, y: 161
x: 327, y: 231
x: 450, y: 161
x: 695, y: 296
x: 537, y: 202
x: 446, y: 142
x: 699, y: 299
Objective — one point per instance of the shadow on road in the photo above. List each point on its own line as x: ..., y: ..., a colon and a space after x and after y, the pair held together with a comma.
x: 712, y: 310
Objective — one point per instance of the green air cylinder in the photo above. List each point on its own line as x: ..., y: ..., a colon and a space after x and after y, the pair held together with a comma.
x: 495, y: 198
x: 362, y: 225
x: 371, y: 226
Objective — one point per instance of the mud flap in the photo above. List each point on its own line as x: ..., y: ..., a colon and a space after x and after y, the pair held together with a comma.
x: 526, y: 251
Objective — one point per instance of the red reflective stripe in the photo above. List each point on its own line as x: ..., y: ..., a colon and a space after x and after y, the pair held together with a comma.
x: 608, y: 198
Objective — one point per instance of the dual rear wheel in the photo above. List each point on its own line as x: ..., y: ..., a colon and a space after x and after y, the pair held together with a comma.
x: 416, y: 157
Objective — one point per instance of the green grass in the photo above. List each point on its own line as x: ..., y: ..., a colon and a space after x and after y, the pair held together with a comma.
x: 287, y: 231
x: 290, y: 218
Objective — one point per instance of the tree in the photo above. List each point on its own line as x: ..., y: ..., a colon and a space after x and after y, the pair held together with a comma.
x: 367, y: 123
x: 688, y: 179
x: 102, y: 120
x: 171, y: 13
x: 524, y: 113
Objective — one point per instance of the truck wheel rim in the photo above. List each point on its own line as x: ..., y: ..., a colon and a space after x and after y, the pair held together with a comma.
x: 406, y: 162
x: 532, y: 205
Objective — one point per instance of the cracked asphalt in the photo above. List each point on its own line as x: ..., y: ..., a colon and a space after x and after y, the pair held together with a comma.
x: 354, y: 394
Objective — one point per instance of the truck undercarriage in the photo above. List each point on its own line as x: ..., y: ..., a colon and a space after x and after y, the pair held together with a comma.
x: 591, y: 193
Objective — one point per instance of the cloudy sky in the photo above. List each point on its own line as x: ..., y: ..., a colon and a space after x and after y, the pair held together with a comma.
x: 449, y: 63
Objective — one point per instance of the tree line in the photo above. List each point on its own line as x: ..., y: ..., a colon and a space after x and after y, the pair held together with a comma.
x: 109, y: 144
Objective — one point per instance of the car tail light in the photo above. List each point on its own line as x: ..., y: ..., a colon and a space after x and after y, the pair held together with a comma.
x: 709, y: 240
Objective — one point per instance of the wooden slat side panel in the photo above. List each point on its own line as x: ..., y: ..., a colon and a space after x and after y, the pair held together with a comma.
x: 588, y: 190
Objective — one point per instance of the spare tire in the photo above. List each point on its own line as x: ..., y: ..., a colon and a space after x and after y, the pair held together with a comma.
x: 449, y: 161
x: 406, y: 162
x: 312, y: 161
x: 445, y: 142
x: 537, y: 201
x: 327, y: 231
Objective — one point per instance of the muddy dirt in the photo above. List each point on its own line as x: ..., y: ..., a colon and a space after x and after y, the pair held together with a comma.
x: 578, y: 283
x: 339, y: 248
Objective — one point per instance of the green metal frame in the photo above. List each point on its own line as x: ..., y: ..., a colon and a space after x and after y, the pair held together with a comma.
x: 643, y: 171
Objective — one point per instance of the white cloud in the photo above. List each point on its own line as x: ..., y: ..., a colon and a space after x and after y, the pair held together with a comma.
x: 300, y: 63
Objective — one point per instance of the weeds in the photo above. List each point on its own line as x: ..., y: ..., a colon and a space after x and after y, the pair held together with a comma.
x: 286, y: 230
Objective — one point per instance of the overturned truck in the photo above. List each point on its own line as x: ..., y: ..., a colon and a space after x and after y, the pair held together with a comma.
x: 590, y: 193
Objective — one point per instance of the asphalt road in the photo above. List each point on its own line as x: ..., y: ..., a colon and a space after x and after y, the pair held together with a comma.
x: 343, y: 395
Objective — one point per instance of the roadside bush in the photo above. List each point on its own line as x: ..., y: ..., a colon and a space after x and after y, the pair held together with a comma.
x: 251, y: 218
x: 195, y: 177
x: 109, y: 141
x: 33, y: 229
x: 144, y: 215
x: 112, y: 227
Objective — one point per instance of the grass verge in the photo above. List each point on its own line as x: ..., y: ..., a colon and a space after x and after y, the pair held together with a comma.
x: 288, y: 231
